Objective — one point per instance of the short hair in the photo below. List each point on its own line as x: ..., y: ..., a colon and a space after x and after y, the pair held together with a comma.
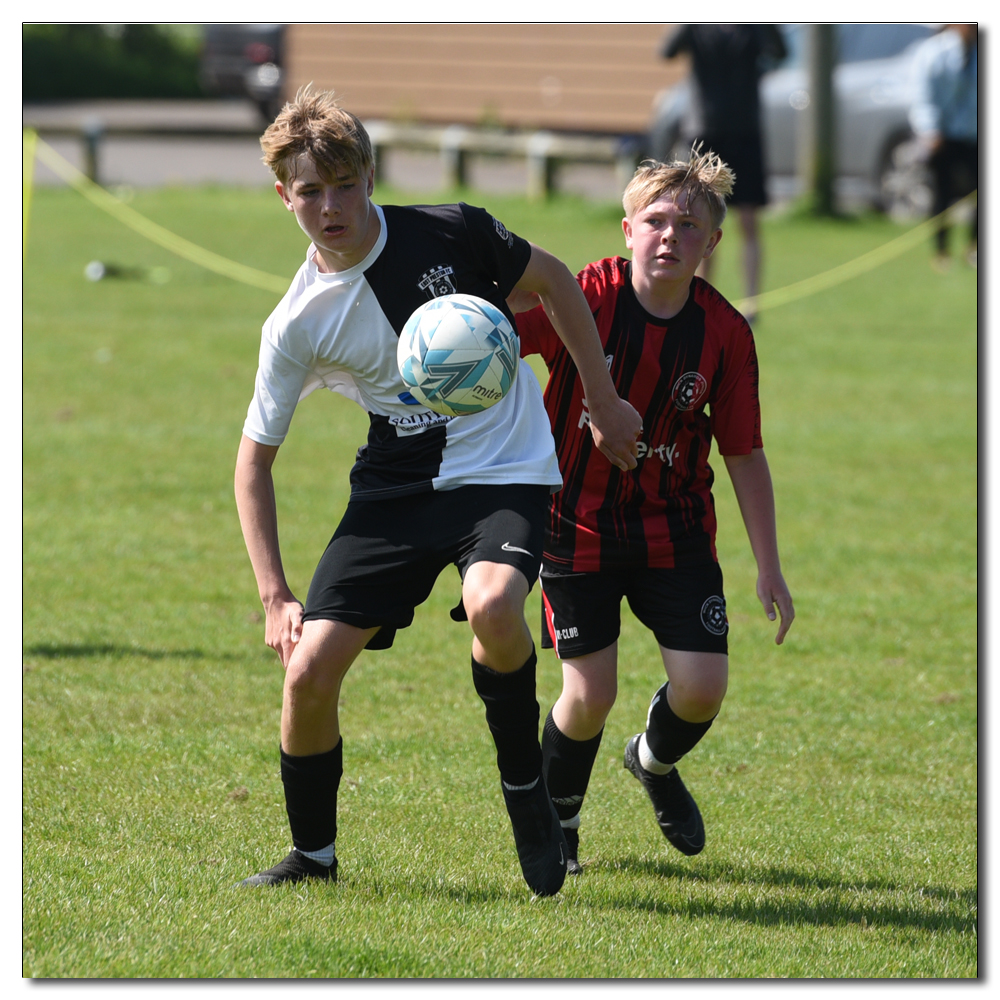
x: 704, y: 175
x: 315, y: 124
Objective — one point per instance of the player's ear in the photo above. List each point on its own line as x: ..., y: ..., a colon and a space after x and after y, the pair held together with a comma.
x: 371, y: 180
x: 627, y: 230
x: 283, y: 195
x: 713, y: 243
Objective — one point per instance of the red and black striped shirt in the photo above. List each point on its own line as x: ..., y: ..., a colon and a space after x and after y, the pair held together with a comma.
x: 662, y: 512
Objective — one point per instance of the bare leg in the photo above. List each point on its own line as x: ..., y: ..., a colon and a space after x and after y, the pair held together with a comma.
x: 494, y: 596
x: 590, y: 686
x: 698, y: 683
x: 310, y: 723
x: 751, y: 253
x: 311, y: 756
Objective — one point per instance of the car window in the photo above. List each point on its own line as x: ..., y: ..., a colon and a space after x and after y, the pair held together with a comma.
x: 795, y: 42
x: 856, y: 42
x: 861, y: 42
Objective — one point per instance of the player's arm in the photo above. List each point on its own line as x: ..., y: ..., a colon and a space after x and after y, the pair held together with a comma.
x: 751, y: 479
x: 521, y: 300
x: 615, y: 424
x: 259, y: 521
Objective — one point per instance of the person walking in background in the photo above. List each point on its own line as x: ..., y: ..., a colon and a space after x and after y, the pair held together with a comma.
x: 727, y: 61
x: 945, y: 117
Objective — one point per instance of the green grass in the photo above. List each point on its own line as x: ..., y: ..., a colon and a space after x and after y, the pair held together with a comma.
x: 839, y: 785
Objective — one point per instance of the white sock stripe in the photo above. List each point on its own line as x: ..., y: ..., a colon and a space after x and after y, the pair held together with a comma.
x: 518, y: 788
x: 649, y: 762
x: 324, y: 856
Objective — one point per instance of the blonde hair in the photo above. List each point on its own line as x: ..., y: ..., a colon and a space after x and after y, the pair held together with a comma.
x: 703, y: 176
x: 313, y: 123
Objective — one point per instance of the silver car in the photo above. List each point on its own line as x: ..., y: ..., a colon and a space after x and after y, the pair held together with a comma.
x: 874, y: 89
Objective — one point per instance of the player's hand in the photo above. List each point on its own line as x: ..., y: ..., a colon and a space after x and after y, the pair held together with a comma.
x: 283, y: 628
x: 774, y: 591
x: 616, y: 427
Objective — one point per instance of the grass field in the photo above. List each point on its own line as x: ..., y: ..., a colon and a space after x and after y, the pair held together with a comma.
x: 839, y: 785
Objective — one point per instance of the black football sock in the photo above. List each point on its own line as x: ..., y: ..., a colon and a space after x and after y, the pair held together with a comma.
x: 512, y: 715
x: 668, y: 736
x: 566, y: 764
x: 311, y: 785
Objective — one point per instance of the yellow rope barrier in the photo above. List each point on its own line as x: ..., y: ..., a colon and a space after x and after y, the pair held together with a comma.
x: 33, y: 146
x: 851, y: 269
x: 157, y: 234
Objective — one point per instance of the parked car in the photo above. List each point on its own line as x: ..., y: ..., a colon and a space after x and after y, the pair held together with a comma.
x: 874, y: 89
x: 244, y: 60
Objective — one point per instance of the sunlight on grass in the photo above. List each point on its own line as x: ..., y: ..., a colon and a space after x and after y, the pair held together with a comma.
x: 839, y: 785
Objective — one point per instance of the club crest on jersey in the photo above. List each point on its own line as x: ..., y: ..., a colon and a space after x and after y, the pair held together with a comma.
x: 689, y: 390
x: 713, y: 615
x: 503, y: 234
x: 437, y: 281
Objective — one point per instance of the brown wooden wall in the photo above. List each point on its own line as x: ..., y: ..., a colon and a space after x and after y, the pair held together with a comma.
x: 575, y: 77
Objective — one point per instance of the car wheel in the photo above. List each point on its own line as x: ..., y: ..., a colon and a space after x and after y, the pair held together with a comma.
x: 904, y: 182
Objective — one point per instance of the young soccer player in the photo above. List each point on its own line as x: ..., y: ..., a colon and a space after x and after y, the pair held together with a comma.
x: 685, y: 358
x: 426, y: 490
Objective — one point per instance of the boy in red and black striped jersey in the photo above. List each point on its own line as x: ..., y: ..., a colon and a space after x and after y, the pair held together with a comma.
x: 685, y: 359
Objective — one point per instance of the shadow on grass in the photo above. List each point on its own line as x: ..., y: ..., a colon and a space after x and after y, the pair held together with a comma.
x: 77, y: 651
x: 836, y: 901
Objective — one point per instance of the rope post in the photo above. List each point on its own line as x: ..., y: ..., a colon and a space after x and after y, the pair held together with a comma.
x: 93, y: 133
x: 454, y: 156
x: 378, y: 154
x: 541, y: 166
x: 627, y: 158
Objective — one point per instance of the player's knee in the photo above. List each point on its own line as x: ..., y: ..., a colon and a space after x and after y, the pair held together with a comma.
x: 698, y: 701
x: 596, y: 699
x: 602, y: 702
x: 494, y: 614
x: 593, y: 714
x: 313, y: 680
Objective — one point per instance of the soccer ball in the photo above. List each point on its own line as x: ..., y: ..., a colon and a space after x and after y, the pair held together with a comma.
x: 458, y: 354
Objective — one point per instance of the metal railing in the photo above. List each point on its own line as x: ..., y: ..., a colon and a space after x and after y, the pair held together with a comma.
x: 543, y: 151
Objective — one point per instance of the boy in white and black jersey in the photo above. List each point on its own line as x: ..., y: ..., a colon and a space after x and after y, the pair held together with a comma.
x: 476, y: 486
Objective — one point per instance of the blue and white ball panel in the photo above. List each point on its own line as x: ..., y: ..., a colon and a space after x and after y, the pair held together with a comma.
x: 501, y: 444
x: 458, y: 354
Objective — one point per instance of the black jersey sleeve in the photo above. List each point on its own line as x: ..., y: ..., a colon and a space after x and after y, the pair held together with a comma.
x: 502, y: 254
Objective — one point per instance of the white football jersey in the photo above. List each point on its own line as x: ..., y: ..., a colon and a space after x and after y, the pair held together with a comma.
x: 340, y: 331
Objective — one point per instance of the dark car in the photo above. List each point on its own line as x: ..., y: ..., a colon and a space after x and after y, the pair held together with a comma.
x: 245, y: 60
x: 874, y: 89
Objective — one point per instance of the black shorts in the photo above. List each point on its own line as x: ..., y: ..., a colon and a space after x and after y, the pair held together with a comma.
x: 684, y: 608
x: 386, y: 554
x: 744, y: 155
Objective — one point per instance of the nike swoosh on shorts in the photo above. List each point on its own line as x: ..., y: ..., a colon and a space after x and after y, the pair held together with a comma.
x: 507, y: 547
